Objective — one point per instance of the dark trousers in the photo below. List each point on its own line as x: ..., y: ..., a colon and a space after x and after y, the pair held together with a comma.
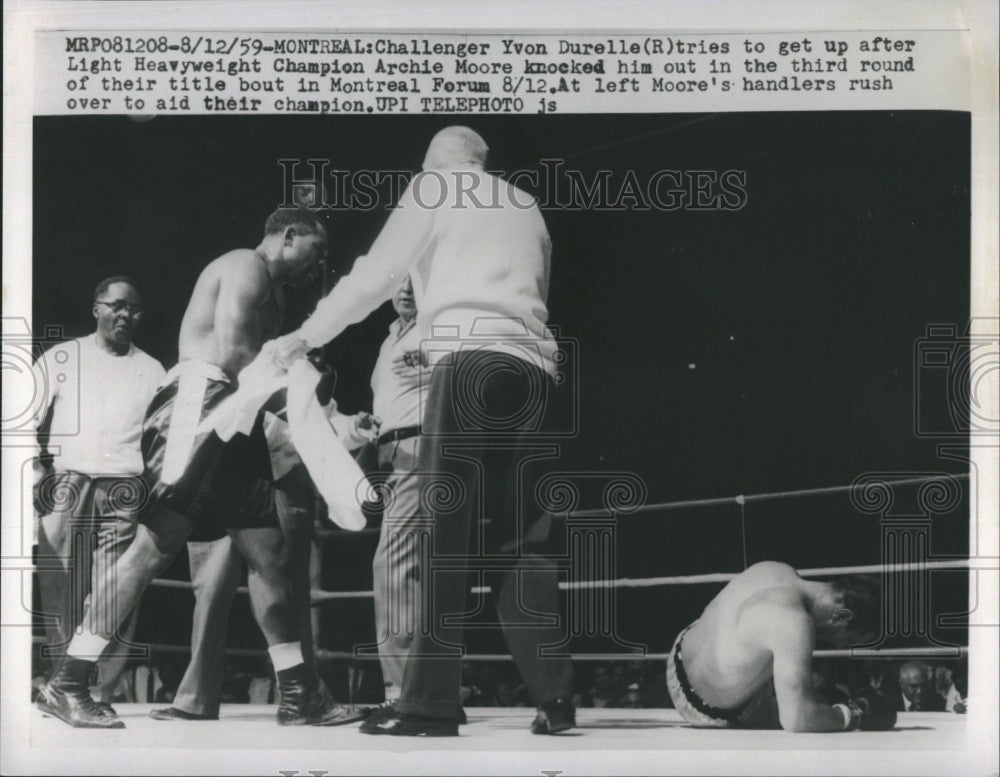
x: 483, y: 421
x: 216, y: 566
x: 89, y: 527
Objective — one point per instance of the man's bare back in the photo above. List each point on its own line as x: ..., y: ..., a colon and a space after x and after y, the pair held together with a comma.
x: 763, y: 626
x: 234, y: 308
x: 726, y: 652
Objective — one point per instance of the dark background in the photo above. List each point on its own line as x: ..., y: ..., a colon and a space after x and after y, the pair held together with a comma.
x: 799, y: 312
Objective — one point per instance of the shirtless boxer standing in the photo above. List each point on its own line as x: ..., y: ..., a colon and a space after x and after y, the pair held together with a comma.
x: 764, y: 625
x: 236, y: 305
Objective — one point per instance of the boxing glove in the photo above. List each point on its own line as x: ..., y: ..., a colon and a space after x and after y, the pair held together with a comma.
x: 874, y: 710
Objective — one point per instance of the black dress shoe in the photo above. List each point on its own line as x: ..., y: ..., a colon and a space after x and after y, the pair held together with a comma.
x: 402, y: 725
x: 172, y: 713
x: 554, y: 716
x: 387, y: 709
x: 303, y: 704
x: 67, y: 697
x: 375, y: 715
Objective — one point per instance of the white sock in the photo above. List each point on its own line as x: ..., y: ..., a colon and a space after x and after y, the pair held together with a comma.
x: 393, y: 692
x: 87, y: 646
x: 286, y: 655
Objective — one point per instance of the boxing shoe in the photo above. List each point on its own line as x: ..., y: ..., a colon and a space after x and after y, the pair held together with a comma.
x: 172, y: 713
x: 401, y: 724
x: 303, y: 704
x: 67, y: 697
x: 102, y: 704
x: 554, y: 716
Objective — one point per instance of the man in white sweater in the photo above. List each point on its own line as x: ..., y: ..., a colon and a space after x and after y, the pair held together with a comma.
x: 91, y: 501
x: 478, y: 253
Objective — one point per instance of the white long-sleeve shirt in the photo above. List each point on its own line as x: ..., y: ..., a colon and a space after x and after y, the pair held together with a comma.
x: 98, y: 402
x: 478, y: 253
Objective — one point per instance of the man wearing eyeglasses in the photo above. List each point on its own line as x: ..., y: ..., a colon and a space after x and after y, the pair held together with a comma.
x: 89, y: 499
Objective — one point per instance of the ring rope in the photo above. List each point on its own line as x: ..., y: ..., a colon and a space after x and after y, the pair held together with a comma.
x: 317, y: 595
x: 888, y: 654
x: 742, y: 499
x: 673, y: 580
x: 320, y: 596
x: 724, y: 577
x: 956, y: 651
x: 327, y: 534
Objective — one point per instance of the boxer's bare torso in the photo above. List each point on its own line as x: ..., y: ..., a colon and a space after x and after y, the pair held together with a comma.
x: 763, y: 626
x: 728, y: 653
x: 234, y: 308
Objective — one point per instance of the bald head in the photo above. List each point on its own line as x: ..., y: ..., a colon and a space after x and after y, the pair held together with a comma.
x: 914, y: 673
x: 914, y: 681
x: 456, y: 147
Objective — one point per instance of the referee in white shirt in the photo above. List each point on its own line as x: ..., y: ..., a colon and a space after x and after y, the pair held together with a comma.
x: 90, y: 498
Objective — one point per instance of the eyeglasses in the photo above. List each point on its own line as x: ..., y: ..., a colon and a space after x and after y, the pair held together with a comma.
x: 135, y: 311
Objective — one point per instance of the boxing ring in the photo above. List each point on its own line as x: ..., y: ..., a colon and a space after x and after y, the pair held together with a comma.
x: 496, y: 741
x: 606, y: 740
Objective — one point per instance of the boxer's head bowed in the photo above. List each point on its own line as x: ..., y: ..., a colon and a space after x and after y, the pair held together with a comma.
x: 297, y: 243
x: 455, y: 147
x: 117, y: 309
x: 850, y: 612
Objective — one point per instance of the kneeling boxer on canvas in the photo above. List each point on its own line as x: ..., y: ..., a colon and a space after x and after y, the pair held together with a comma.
x: 747, y: 661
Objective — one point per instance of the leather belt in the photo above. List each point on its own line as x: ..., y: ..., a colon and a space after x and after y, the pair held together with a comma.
x: 399, y: 434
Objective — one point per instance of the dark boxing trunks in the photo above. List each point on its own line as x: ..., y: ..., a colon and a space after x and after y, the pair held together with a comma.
x: 219, y: 485
x: 688, y: 703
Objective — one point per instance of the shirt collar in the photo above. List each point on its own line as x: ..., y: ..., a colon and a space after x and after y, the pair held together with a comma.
x: 399, y: 328
x: 97, y: 347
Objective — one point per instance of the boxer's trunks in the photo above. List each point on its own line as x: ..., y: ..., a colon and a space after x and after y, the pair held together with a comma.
x: 688, y: 703
x: 218, y: 485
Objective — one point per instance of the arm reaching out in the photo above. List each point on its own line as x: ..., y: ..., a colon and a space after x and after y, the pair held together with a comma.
x: 791, y: 641
x: 375, y: 277
x: 353, y: 430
